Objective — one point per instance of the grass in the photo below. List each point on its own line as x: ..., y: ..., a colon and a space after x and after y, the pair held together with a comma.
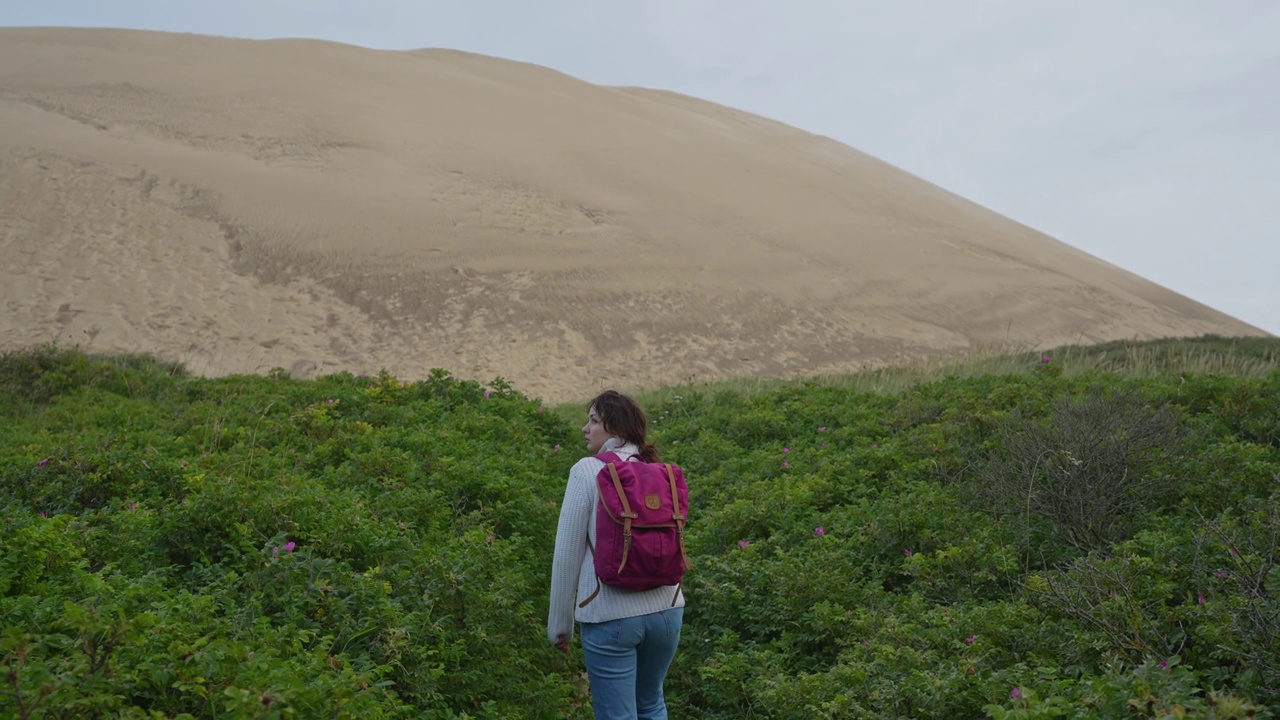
x: 1250, y: 357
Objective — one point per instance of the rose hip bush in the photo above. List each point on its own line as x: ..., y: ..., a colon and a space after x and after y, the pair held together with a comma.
x: 262, y: 547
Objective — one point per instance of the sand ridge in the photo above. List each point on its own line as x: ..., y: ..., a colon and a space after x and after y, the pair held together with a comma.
x: 242, y: 205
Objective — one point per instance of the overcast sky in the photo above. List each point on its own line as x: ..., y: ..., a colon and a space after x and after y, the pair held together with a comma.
x: 1145, y: 132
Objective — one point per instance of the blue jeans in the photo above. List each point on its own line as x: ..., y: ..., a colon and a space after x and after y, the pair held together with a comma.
x: 627, y: 660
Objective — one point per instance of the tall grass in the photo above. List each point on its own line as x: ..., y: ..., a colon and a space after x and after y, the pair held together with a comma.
x: 1247, y: 357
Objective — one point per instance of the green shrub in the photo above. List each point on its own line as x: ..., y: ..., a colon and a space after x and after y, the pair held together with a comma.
x: 1090, y: 469
x: 256, y: 546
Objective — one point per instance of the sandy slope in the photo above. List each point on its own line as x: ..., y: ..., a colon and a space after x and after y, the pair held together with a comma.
x: 242, y: 205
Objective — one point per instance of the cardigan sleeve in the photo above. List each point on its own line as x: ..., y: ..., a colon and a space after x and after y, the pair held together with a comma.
x: 576, y: 512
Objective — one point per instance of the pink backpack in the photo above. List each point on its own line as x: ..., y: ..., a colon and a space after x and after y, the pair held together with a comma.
x: 640, y: 521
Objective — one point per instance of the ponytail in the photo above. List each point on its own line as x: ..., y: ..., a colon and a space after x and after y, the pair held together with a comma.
x: 649, y: 452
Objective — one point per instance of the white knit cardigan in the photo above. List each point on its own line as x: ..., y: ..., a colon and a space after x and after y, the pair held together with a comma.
x: 573, y: 575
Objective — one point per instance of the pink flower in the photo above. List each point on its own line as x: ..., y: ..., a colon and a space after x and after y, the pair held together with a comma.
x: 744, y: 543
x: 275, y: 550
x: 1015, y: 693
x: 541, y: 409
x: 289, y: 546
x: 486, y: 393
x: 1164, y: 664
x: 553, y: 503
x: 1220, y: 574
x: 43, y: 515
x: 786, y: 450
x: 819, y: 531
x: 971, y: 639
x: 786, y: 464
x: 43, y: 462
x: 133, y: 506
x: 907, y: 552
x: 824, y: 444
x: 1200, y: 599
x: 822, y: 429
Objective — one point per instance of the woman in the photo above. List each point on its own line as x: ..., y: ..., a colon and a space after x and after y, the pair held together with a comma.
x: 628, y: 638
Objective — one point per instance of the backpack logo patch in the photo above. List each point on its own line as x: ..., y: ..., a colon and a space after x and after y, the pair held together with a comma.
x: 653, y: 502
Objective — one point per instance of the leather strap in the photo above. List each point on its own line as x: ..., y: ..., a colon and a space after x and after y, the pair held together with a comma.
x: 593, y: 595
x: 675, y: 515
x: 627, y: 515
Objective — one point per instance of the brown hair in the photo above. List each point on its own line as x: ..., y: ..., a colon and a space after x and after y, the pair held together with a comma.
x: 622, y: 417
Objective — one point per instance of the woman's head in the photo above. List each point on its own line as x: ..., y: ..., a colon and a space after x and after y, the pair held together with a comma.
x: 612, y: 414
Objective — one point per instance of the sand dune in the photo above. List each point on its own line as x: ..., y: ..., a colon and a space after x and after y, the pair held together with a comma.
x: 242, y: 205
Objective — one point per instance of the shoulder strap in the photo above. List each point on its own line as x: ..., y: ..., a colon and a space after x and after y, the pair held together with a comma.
x: 607, y: 458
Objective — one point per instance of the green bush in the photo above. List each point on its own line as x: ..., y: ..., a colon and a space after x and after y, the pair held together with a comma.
x: 260, y: 547
x: 1090, y: 469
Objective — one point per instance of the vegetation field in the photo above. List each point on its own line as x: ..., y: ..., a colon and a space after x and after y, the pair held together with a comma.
x: 1086, y: 533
